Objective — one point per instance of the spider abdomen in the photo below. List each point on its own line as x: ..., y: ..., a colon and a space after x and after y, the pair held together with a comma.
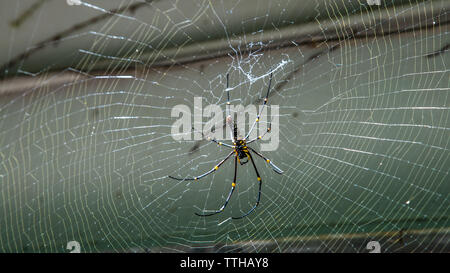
x: 242, y: 152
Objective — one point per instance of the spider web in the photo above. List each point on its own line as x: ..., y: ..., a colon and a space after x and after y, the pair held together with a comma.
x: 364, y: 126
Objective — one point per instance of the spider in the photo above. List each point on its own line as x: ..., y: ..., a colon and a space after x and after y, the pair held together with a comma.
x: 242, y: 154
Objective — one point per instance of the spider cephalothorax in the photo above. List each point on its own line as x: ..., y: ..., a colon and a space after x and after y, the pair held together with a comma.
x: 241, y: 151
x: 243, y: 154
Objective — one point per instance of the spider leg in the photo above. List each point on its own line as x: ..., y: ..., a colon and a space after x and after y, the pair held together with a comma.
x: 215, y: 141
x: 228, y: 117
x: 205, y: 174
x: 233, y: 185
x: 262, y: 108
x: 221, y: 143
x: 259, y: 191
x: 274, y: 167
x: 260, y: 137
